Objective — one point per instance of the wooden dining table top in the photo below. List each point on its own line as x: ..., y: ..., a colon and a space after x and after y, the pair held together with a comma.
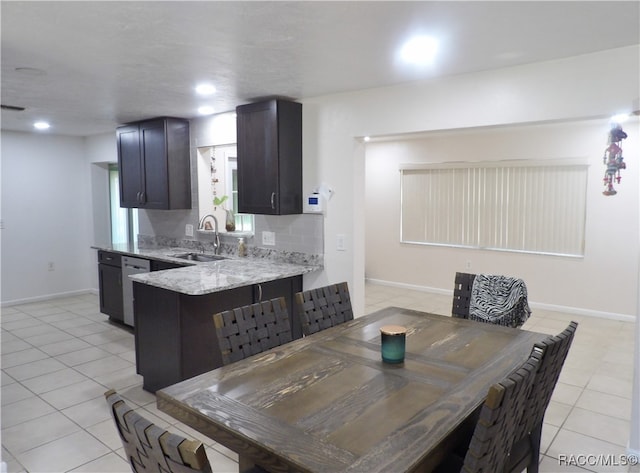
x: 327, y: 402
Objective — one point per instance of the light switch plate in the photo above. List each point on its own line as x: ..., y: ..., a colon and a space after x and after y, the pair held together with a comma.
x: 269, y: 238
x: 340, y: 242
x: 188, y: 230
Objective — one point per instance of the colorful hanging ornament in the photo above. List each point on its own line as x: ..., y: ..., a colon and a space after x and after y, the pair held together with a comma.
x: 613, y: 159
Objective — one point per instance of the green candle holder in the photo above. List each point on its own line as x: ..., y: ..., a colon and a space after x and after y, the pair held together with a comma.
x: 392, y: 343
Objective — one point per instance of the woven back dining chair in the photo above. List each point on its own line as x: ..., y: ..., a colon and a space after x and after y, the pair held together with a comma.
x: 500, y: 416
x: 252, y: 329
x: 462, y: 295
x: 553, y: 352
x: 150, y: 448
x: 324, y: 307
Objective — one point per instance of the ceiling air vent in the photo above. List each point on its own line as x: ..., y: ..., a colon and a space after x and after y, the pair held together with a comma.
x: 13, y: 108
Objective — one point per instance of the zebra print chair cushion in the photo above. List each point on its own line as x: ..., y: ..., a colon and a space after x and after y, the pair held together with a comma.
x: 499, y: 300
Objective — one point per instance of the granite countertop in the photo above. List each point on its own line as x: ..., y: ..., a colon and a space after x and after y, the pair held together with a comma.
x: 206, y: 277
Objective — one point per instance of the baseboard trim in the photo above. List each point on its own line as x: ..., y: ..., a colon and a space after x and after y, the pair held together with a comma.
x: 532, y: 304
x: 432, y: 290
x: 59, y: 295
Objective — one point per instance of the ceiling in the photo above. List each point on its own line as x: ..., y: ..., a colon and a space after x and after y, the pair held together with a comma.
x: 88, y: 66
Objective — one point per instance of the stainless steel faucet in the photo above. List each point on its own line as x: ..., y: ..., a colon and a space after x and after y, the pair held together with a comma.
x: 216, y: 238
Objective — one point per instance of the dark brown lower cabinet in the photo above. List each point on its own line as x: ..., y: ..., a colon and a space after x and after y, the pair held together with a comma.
x: 174, y: 335
x: 110, y: 283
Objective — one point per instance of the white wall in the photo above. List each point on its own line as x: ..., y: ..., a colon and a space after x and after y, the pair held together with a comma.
x: 46, y: 215
x: 569, y: 89
x: 100, y: 151
x: 611, y: 250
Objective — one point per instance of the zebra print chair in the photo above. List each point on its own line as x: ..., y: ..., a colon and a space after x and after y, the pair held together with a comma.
x: 500, y: 300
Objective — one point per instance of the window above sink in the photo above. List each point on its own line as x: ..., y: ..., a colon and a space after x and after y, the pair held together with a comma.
x: 217, y: 177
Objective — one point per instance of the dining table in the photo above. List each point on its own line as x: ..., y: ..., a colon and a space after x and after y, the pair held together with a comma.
x: 328, y: 403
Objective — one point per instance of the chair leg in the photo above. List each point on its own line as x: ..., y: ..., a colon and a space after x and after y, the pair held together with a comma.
x: 535, y: 437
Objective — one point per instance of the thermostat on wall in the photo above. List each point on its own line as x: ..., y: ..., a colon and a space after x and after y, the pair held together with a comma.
x: 313, y: 203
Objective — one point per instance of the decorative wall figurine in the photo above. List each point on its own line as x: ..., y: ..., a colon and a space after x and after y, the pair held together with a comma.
x: 613, y: 159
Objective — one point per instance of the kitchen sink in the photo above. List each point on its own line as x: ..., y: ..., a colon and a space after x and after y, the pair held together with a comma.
x: 198, y: 257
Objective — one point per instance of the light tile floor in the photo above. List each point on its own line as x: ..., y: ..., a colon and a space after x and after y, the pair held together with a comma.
x: 61, y: 355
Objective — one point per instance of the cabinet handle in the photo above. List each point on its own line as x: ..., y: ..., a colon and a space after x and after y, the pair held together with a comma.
x: 259, y: 292
x: 273, y: 200
x: 138, y: 197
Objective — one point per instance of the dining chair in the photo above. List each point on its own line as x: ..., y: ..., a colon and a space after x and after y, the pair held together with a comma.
x: 495, y: 299
x: 552, y: 351
x: 500, y: 416
x: 150, y: 448
x: 462, y: 295
x: 252, y: 329
x: 324, y: 307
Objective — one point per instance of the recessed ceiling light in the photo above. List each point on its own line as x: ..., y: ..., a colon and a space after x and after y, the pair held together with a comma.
x: 367, y: 138
x: 205, y: 89
x: 420, y: 50
x: 41, y: 125
x: 205, y: 110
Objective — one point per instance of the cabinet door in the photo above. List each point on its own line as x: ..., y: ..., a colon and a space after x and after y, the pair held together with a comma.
x: 110, y: 279
x: 282, y: 288
x: 289, y: 158
x: 130, y: 165
x: 154, y: 162
x: 258, y: 158
x: 153, y: 145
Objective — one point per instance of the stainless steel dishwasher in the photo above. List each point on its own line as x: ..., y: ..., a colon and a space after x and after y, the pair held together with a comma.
x: 131, y: 266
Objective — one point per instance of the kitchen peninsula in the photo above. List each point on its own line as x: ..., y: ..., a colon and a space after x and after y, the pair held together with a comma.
x: 174, y: 332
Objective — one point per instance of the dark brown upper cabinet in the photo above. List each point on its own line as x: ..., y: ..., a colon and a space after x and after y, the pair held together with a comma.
x: 270, y: 157
x: 153, y: 159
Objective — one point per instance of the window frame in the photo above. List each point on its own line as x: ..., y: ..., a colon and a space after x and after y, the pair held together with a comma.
x: 470, y: 216
x: 129, y: 223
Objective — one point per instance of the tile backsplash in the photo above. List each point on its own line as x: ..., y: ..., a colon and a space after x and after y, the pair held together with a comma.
x: 298, y: 238
x: 300, y: 233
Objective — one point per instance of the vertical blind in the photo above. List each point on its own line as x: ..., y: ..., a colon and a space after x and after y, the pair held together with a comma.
x: 524, y: 207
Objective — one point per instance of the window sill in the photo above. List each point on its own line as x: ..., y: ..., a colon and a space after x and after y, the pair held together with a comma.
x: 231, y: 234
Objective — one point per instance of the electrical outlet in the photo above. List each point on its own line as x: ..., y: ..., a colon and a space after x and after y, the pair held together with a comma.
x: 269, y: 238
x: 468, y: 265
x: 51, y: 266
x: 340, y: 242
x: 188, y: 230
